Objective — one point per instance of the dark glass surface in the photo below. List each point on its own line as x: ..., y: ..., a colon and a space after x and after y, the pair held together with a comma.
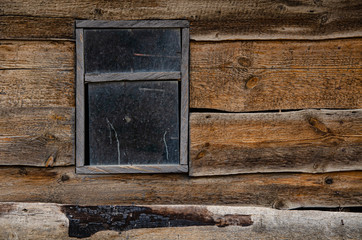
x: 133, y: 123
x: 132, y: 50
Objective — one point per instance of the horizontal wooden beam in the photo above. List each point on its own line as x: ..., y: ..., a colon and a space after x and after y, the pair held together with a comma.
x: 54, y: 221
x: 297, y: 141
x: 279, y: 190
x: 136, y: 76
x: 27, y: 27
x: 132, y: 24
x: 257, y: 76
x: 210, y: 20
x: 114, y: 169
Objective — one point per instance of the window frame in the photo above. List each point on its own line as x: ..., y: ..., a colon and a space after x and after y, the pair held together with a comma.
x: 82, y: 79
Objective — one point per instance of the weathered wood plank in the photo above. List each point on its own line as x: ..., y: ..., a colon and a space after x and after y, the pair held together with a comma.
x: 282, y: 190
x: 37, y: 88
x: 255, y: 76
x: 36, y: 54
x: 243, y: 55
x: 302, y: 141
x: 113, y: 169
x: 27, y: 27
x: 37, y: 136
x: 235, y: 90
x: 53, y: 221
x: 132, y: 24
x: 210, y: 19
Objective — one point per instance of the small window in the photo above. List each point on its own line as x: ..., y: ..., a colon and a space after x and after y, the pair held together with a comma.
x: 132, y: 96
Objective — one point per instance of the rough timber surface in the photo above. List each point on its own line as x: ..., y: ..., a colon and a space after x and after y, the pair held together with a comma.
x: 297, y: 141
x: 278, y: 190
x: 36, y: 74
x: 27, y: 27
x: 52, y: 221
x: 272, y: 75
x: 210, y: 19
x: 37, y: 136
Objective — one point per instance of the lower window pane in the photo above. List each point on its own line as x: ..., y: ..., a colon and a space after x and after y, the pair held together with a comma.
x: 133, y: 123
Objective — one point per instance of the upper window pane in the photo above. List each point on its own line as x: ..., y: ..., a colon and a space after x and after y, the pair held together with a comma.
x: 132, y: 50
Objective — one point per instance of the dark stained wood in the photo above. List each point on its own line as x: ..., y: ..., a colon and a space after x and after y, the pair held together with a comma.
x: 62, y: 185
x: 210, y: 19
x: 37, y: 136
x: 84, y: 221
x: 27, y: 27
x: 302, y: 141
x: 256, y: 76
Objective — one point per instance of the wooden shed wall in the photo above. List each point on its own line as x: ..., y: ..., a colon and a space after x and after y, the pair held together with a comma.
x: 275, y: 99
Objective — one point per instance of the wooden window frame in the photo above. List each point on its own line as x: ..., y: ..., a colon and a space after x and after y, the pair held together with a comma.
x: 82, y: 79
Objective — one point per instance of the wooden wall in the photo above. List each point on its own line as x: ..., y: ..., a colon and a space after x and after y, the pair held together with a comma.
x: 275, y: 98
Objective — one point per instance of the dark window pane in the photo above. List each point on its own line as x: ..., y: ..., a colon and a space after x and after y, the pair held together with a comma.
x: 132, y: 50
x: 133, y: 123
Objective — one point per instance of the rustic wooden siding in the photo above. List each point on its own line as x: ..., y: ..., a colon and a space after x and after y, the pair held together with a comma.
x: 210, y: 20
x: 307, y: 141
x: 244, y: 76
x: 277, y: 190
x: 246, y: 57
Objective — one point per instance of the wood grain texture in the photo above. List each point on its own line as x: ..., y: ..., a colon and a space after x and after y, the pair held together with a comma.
x: 256, y: 76
x: 37, y: 136
x: 280, y: 190
x: 47, y: 221
x: 302, y: 141
x: 36, y: 54
x: 36, y: 88
x: 210, y: 19
x: 27, y: 27
x: 37, y: 74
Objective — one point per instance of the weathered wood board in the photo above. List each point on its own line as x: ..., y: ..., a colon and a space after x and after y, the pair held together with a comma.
x: 37, y: 136
x: 27, y: 88
x: 210, y: 19
x: 297, y: 141
x: 258, y: 76
x: 37, y: 54
x: 278, y: 190
x: 27, y: 27
x: 53, y: 221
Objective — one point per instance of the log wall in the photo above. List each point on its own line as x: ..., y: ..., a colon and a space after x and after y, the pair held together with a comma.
x: 275, y: 86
